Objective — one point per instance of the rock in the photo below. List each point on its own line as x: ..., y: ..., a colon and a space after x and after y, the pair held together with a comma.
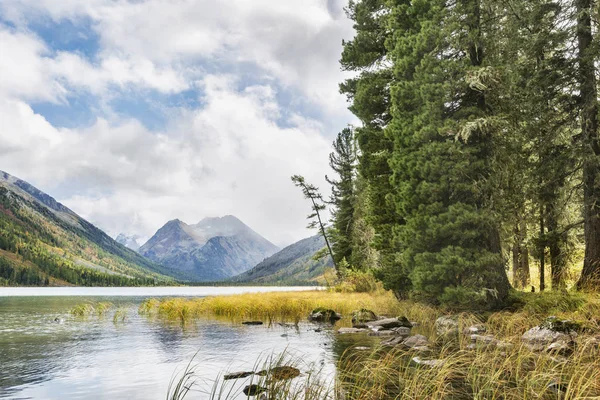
x: 253, y: 390
x: 539, y: 339
x: 324, y: 315
x: 343, y: 331
x: 362, y: 316
x: 553, y: 335
x: 280, y: 373
x: 428, y: 363
x: 560, y: 349
x: 59, y: 320
x: 401, y: 331
x: 477, y: 329
x: 237, y: 375
x: 252, y: 323
x: 360, y: 326
x: 446, y: 326
x: 563, y: 326
x: 414, y: 341
x: 384, y: 332
x: 390, y: 323
x: 395, y: 341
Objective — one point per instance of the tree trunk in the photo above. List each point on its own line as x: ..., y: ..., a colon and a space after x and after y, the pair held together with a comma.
x: 590, y: 276
x: 521, y: 275
x: 558, y: 262
x: 542, y: 250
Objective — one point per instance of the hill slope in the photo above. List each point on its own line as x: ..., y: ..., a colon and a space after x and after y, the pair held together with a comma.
x: 213, y: 249
x: 293, y: 264
x: 43, y: 242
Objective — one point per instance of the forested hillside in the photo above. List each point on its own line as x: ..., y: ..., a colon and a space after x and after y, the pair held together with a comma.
x: 476, y: 165
x: 295, y: 264
x: 44, y: 243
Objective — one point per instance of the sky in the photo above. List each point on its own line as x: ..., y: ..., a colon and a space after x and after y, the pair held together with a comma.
x: 136, y: 112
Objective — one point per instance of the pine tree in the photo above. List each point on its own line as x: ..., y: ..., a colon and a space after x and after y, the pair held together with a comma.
x: 366, y: 54
x: 442, y: 131
x: 311, y: 192
x: 587, y: 59
x: 343, y: 162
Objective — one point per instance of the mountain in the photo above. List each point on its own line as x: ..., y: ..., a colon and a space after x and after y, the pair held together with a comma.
x: 214, y: 249
x: 292, y: 265
x: 130, y: 241
x: 43, y: 242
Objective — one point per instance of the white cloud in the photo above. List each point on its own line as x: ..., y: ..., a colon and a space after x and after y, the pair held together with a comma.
x: 228, y: 158
x: 296, y: 41
x: 232, y: 155
x: 30, y: 71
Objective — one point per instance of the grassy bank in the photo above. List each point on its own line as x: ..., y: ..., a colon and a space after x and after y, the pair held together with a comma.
x: 278, y: 306
x: 511, y: 372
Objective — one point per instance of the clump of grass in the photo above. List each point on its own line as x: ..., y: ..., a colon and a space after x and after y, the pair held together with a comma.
x: 88, y: 309
x: 82, y: 310
x: 120, y: 315
x: 103, y: 308
x: 148, y: 306
x: 310, y: 384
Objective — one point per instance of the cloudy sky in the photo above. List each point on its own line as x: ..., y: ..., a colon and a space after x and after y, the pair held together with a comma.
x: 135, y: 112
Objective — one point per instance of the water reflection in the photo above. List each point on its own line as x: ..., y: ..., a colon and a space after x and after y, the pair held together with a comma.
x: 96, y: 358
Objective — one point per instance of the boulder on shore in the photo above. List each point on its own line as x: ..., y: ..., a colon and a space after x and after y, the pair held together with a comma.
x: 363, y: 315
x: 253, y: 390
x: 389, y: 323
x: 324, y: 315
x: 415, y: 342
x: 343, y: 331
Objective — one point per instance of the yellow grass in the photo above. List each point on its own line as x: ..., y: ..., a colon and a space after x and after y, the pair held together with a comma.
x: 512, y: 373
x: 271, y: 307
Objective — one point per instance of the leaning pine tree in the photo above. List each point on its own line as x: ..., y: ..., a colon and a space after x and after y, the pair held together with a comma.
x: 442, y: 130
x: 311, y: 192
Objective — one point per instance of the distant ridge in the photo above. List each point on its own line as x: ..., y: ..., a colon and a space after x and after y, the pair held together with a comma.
x: 292, y: 265
x: 43, y: 242
x: 214, y: 249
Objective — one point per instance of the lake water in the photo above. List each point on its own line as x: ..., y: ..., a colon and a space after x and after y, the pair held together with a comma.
x: 96, y: 358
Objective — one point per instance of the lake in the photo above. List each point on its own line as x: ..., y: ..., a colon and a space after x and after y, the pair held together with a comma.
x: 97, y: 358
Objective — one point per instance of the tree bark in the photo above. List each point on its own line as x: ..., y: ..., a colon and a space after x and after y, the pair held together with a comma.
x: 558, y: 262
x: 542, y: 250
x: 521, y: 274
x: 590, y: 276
